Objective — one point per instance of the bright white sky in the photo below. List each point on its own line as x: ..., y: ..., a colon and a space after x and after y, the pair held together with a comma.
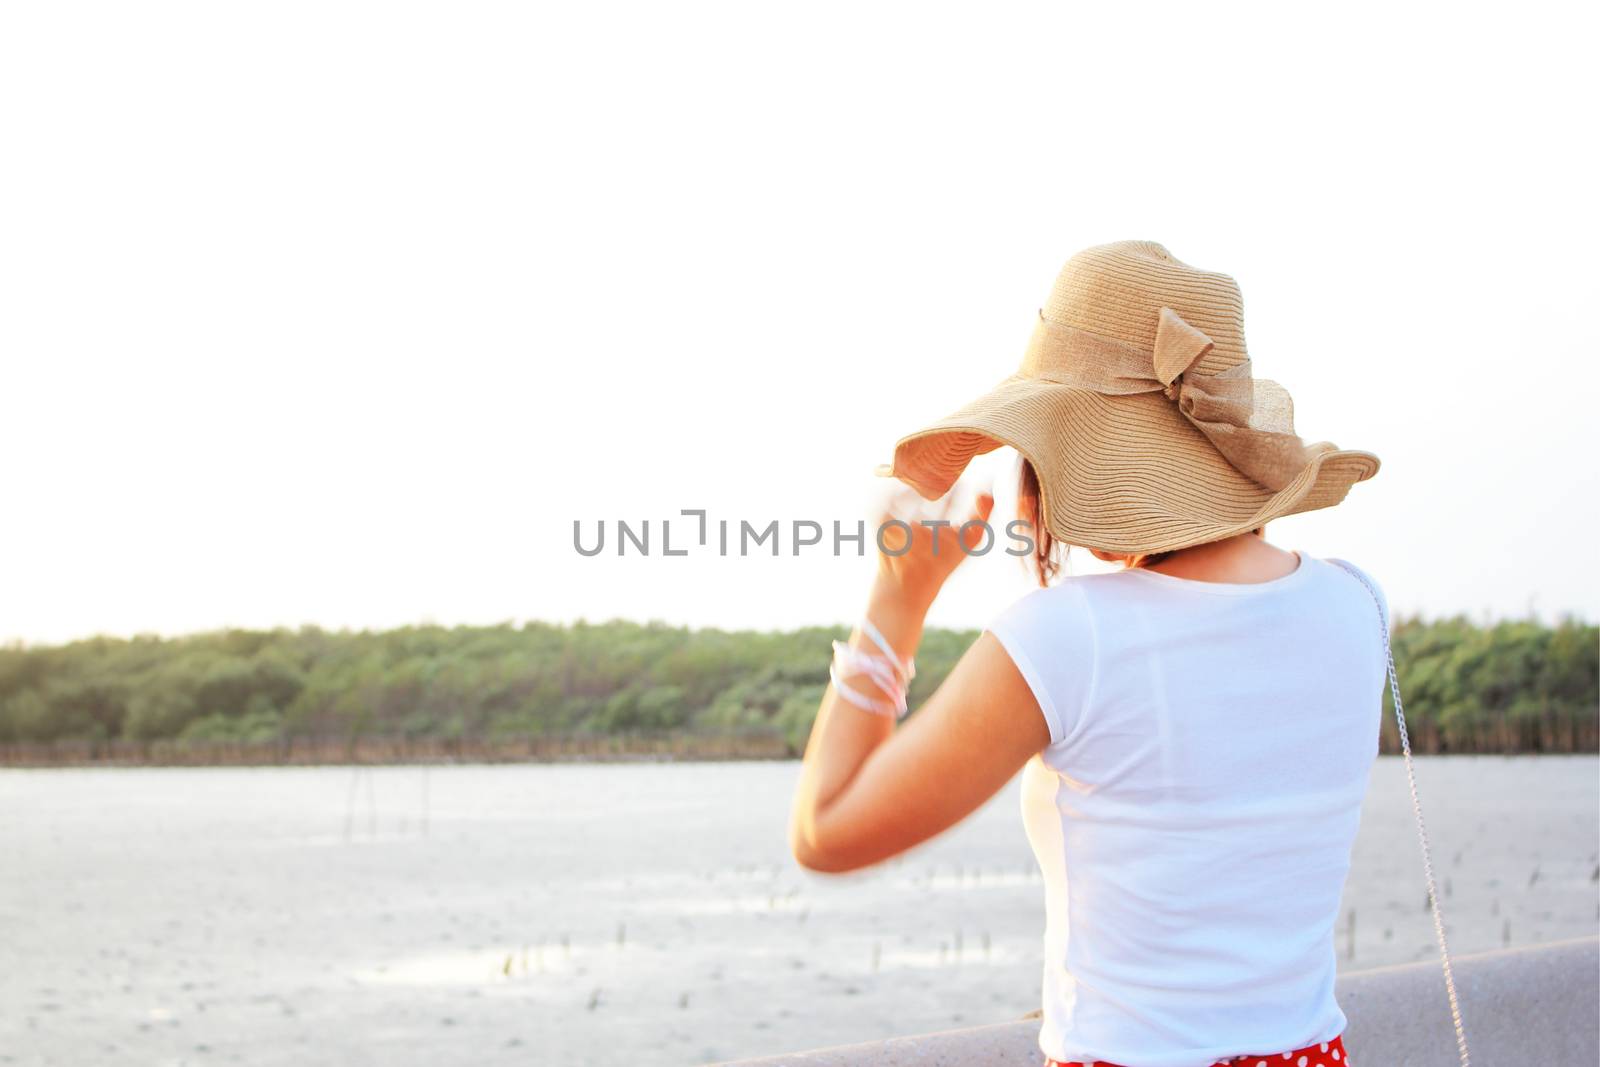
x: 341, y: 313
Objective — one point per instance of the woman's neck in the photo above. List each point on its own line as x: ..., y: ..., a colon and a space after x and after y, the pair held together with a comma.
x: 1243, y: 559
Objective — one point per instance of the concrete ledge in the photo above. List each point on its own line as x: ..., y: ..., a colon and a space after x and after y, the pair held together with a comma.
x: 1528, y: 1005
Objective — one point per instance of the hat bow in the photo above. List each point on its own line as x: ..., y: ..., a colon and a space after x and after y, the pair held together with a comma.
x: 1250, y: 421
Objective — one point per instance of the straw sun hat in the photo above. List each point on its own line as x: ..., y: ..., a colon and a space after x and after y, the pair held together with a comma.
x: 1135, y: 404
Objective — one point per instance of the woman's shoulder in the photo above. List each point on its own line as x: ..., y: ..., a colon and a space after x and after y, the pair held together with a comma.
x: 1081, y: 590
x: 1066, y: 604
x: 1362, y: 575
x: 1050, y: 635
x: 1077, y: 591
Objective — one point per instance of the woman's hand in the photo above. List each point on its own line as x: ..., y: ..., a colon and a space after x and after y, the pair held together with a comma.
x: 917, y: 554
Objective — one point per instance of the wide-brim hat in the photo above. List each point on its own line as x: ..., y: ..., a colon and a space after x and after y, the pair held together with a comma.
x: 1136, y: 406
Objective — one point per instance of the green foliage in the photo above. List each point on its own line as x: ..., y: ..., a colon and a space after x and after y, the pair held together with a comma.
x: 1513, y: 685
x: 253, y: 727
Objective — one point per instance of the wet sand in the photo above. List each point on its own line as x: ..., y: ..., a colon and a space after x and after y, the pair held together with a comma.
x: 640, y: 913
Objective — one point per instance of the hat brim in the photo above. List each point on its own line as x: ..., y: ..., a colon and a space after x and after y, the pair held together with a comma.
x: 1119, y: 473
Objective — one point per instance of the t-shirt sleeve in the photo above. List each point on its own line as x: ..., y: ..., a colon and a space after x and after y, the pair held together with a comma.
x: 1049, y: 635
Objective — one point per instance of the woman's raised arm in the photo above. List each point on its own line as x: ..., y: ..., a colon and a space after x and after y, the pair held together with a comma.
x: 869, y: 791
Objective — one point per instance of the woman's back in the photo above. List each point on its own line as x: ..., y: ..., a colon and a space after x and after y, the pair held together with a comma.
x: 1194, y: 812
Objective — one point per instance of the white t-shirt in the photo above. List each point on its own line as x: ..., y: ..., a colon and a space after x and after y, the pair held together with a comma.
x: 1193, y: 815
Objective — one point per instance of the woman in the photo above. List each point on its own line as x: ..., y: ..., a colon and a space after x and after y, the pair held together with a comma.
x: 1195, y: 730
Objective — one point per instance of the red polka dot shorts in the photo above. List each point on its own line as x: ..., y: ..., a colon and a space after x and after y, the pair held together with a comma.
x: 1325, y: 1054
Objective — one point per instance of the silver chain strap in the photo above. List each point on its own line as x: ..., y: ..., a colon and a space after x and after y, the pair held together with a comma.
x: 1416, y: 806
